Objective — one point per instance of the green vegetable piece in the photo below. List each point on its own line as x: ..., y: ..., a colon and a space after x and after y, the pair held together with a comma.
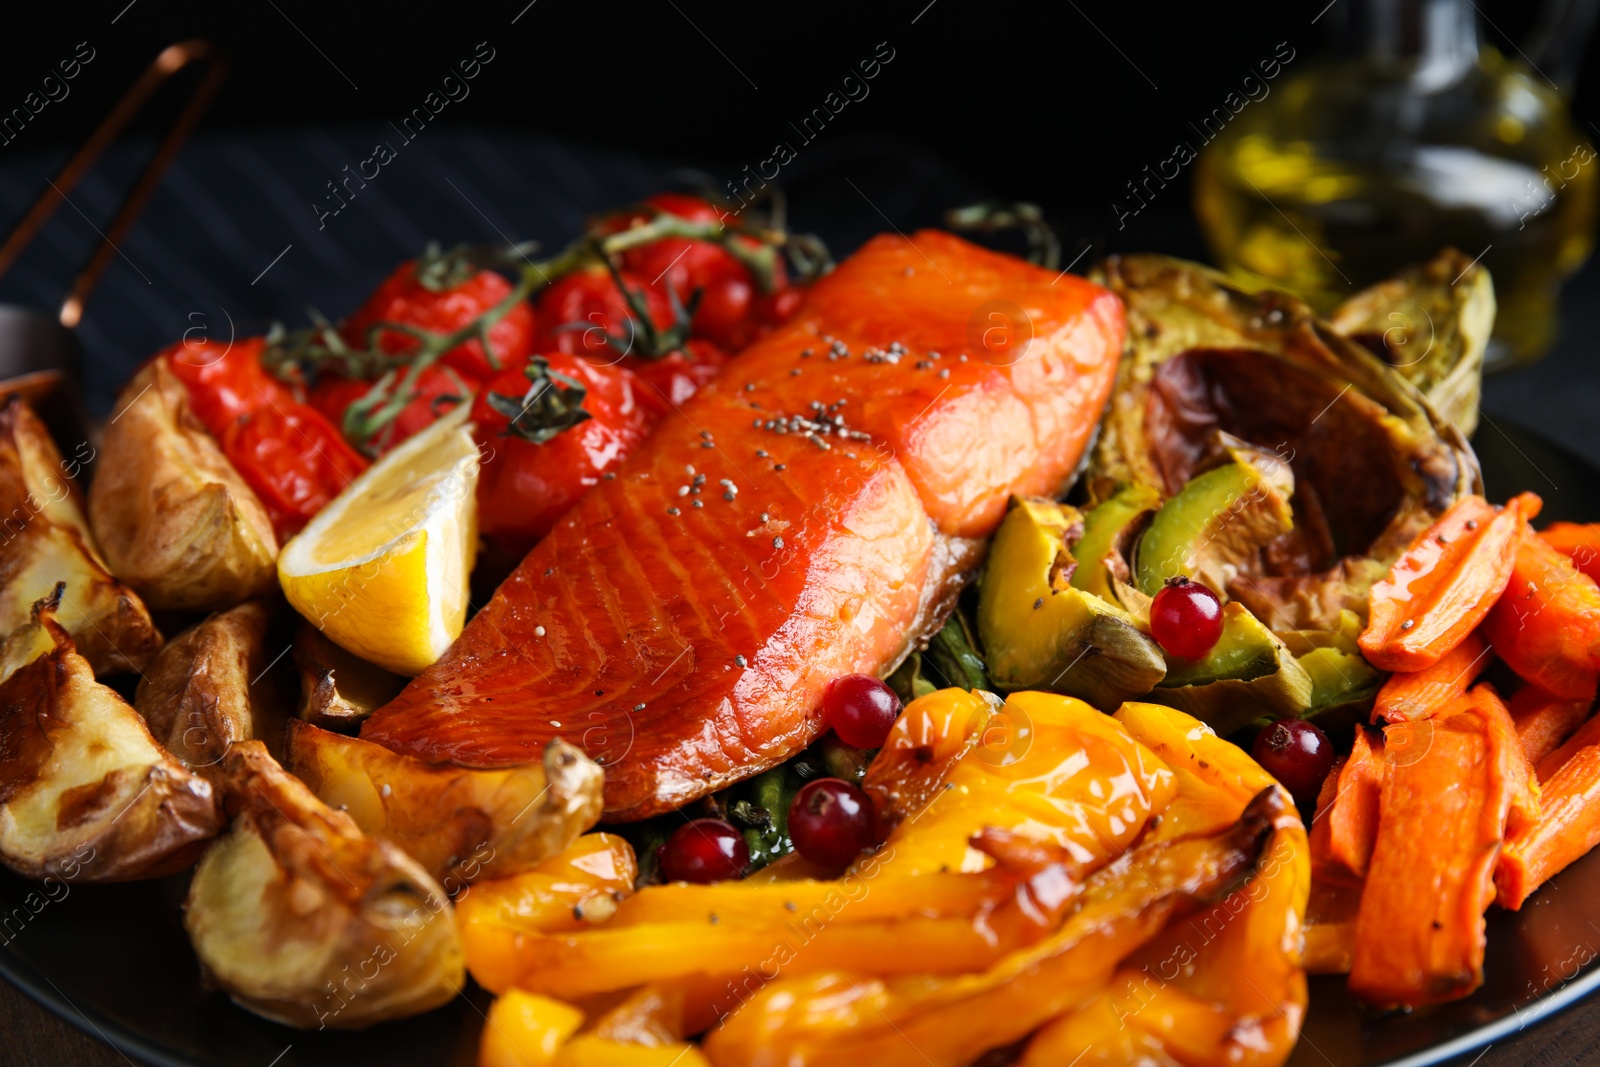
x: 1107, y: 529
x: 1039, y: 632
x: 1248, y: 674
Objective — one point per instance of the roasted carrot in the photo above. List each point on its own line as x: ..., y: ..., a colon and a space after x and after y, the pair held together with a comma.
x: 1522, y: 786
x: 1544, y: 721
x: 1442, y: 816
x: 1579, y: 542
x: 1588, y: 735
x: 1441, y: 588
x: 1568, y: 824
x: 1343, y: 834
x: 1412, y: 695
x: 1547, y: 625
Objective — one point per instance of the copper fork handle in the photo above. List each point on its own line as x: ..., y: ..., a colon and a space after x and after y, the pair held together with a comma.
x: 171, y: 60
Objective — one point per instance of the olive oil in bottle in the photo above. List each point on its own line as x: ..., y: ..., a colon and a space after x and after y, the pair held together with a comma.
x: 1357, y: 166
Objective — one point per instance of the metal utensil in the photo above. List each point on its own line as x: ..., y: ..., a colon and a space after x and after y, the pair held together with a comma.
x: 39, y: 356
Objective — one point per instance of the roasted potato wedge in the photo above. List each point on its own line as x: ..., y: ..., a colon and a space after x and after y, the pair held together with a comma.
x: 211, y: 688
x: 460, y: 824
x: 338, y: 689
x: 174, y: 518
x: 44, y: 539
x: 82, y: 782
x: 303, y: 919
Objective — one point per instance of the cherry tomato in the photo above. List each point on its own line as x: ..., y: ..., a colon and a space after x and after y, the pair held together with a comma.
x: 225, y: 379
x: 674, y: 378
x: 287, y: 451
x: 436, y: 386
x: 294, y: 459
x: 524, y: 487
x: 403, y: 298
x: 1186, y: 618
x: 579, y: 311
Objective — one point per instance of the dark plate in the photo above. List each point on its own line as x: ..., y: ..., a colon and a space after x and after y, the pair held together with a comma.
x: 113, y: 960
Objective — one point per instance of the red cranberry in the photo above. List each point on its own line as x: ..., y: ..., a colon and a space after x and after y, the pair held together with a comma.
x: 860, y: 709
x: 830, y: 822
x: 1298, y: 754
x: 1185, y: 618
x: 705, y: 850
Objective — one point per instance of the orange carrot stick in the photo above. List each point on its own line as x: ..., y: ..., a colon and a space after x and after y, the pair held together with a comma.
x: 1441, y: 588
x: 1446, y: 795
x: 1547, y: 625
x: 1544, y: 721
x: 1578, y: 542
x: 1568, y: 824
x: 1522, y: 785
x: 1353, y: 819
x: 1412, y: 695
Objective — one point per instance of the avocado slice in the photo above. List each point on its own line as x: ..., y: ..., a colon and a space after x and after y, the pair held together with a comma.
x: 1108, y: 529
x: 1216, y: 525
x: 1248, y: 674
x: 1343, y: 683
x: 1040, y: 632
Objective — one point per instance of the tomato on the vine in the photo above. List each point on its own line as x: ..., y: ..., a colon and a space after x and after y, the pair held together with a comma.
x: 294, y: 459
x: 225, y: 379
x: 728, y: 312
x: 405, y: 297
x: 437, y: 391
x: 675, y: 377
x: 549, y: 433
x: 585, y: 313
x: 288, y: 452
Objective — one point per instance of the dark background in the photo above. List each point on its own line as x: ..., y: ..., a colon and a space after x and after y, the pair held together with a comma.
x: 1053, y: 102
x: 587, y: 105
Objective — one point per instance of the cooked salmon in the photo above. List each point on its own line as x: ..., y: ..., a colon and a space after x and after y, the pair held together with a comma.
x: 809, y: 514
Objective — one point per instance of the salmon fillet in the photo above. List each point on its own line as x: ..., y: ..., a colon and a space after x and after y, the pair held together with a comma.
x: 804, y: 516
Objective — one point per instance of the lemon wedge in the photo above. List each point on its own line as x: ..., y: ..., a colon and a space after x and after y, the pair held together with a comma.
x: 382, y: 570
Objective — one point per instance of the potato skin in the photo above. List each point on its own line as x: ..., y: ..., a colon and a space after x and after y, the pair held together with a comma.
x: 175, y: 520
x: 211, y: 687
x: 303, y: 919
x: 82, y: 782
x: 459, y: 823
x: 338, y: 689
x: 45, y: 540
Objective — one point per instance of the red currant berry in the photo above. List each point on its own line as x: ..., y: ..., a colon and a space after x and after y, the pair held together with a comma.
x: 860, y: 709
x: 830, y: 822
x: 705, y: 850
x: 1185, y: 618
x: 1298, y: 754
